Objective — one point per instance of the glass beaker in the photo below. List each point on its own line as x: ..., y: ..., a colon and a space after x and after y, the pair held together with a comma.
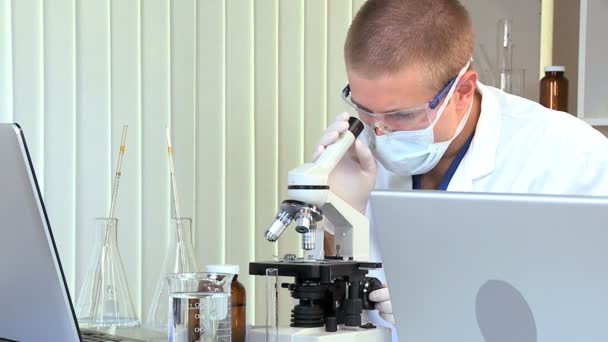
x: 199, y: 307
x: 179, y: 258
x: 104, y: 299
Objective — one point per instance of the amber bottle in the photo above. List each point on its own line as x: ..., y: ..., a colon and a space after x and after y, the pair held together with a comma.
x: 238, y: 299
x: 554, y: 89
x: 239, y: 308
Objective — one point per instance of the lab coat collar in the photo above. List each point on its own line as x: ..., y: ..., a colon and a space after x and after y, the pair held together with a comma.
x: 480, y: 160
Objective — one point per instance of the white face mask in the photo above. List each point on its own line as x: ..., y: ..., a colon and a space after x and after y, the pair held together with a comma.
x: 408, y: 153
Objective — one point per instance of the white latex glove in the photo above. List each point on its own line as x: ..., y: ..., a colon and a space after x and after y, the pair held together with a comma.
x: 383, y: 304
x: 354, y: 177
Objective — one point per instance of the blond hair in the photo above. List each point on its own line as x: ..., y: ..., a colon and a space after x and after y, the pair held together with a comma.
x: 387, y: 36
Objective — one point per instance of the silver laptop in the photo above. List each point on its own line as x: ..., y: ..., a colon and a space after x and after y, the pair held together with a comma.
x: 493, y: 267
x: 35, y: 304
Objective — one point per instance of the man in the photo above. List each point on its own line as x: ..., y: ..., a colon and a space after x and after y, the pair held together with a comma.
x: 432, y: 125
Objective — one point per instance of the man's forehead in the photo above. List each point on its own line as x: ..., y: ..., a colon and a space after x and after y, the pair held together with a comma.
x: 406, y: 76
x: 390, y: 91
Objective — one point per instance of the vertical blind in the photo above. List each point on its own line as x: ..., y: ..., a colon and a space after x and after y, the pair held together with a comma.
x: 246, y: 86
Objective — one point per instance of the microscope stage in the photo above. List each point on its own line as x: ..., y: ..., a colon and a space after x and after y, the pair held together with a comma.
x: 324, y: 271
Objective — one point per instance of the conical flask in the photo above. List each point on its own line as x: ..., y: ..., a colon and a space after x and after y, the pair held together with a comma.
x: 179, y: 258
x: 105, y: 300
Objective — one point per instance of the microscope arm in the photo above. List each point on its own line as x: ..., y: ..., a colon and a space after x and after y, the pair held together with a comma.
x: 311, y: 201
x: 351, y: 228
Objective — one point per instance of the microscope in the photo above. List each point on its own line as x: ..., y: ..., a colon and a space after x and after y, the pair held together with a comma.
x: 331, y: 291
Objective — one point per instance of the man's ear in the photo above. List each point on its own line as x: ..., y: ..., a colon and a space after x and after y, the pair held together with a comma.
x: 466, y: 89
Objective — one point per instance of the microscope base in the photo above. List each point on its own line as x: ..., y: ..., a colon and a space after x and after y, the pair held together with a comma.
x: 289, y: 334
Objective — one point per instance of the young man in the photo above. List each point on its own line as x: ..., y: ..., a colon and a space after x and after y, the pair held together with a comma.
x: 432, y: 125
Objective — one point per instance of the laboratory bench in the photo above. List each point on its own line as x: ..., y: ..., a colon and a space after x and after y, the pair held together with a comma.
x: 137, y: 333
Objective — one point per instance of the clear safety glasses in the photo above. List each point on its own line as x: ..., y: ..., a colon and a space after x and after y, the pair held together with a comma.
x: 408, y: 119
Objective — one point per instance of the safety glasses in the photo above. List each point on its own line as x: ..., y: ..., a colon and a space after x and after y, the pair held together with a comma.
x: 408, y: 119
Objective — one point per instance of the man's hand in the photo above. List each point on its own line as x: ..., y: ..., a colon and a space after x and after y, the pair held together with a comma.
x: 383, y: 304
x: 354, y: 177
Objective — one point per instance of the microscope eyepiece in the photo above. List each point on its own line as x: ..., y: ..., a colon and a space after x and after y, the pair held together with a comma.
x: 355, y: 126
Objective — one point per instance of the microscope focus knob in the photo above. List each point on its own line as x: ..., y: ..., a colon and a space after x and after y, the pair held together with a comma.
x: 353, y: 305
x: 353, y: 313
x: 369, y: 285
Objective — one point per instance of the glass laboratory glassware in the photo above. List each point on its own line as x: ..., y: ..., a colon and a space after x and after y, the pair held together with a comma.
x: 239, y: 307
x: 272, y: 305
x: 104, y: 299
x: 518, y: 82
x: 483, y: 66
x: 238, y: 300
x: 199, y: 307
x: 179, y: 258
x: 504, y: 54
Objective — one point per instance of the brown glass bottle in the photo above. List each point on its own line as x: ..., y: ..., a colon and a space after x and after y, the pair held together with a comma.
x: 238, y: 299
x: 239, y: 310
x: 554, y: 89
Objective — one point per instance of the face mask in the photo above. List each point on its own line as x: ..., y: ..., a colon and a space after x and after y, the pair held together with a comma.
x: 408, y: 153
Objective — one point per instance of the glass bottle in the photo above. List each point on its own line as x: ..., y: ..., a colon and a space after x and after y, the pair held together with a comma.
x: 179, y: 258
x: 105, y: 300
x: 554, y: 89
x: 238, y: 300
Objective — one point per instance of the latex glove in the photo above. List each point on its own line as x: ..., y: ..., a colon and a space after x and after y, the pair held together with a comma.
x: 354, y: 178
x: 383, y: 304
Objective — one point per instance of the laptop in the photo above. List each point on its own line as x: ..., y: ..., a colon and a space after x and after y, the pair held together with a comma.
x: 35, y: 304
x: 494, y: 267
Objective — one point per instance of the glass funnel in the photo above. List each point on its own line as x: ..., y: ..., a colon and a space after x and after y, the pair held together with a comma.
x: 179, y: 258
x: 105, y: 300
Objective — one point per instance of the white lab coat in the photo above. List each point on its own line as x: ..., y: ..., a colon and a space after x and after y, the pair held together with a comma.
x: 519, y: 146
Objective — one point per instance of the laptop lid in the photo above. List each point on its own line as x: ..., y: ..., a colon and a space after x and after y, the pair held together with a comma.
x: 494, y: 267
x: 34, y: 300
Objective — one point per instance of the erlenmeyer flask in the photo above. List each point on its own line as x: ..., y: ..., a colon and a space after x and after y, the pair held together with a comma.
x: 104, y: 300
x: 179, y: 258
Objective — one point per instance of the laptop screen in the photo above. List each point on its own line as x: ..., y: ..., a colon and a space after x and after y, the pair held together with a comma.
x: 34, y: 303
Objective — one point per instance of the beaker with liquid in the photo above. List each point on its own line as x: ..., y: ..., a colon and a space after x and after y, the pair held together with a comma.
x: 199, y: 307
x: 180, y: 257
x: 104, y: 299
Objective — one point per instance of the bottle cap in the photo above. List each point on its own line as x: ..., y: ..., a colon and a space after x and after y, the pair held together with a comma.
x: 229, y: 269
x: 555, y: 68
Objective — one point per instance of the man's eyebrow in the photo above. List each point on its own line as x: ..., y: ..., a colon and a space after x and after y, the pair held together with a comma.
x: 367, y: 109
